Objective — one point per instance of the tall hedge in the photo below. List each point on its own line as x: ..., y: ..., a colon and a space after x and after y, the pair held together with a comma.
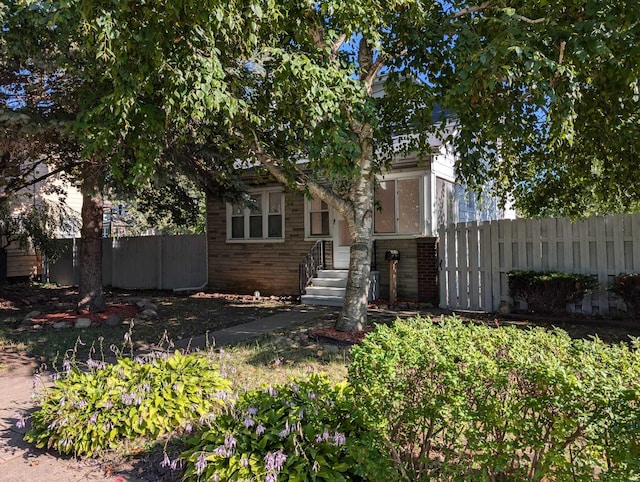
x: 458, y: 402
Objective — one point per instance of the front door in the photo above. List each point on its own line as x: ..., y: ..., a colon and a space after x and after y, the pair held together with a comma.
x: 341, y: 242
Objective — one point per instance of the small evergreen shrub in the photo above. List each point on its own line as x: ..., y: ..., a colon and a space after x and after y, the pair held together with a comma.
x: 304, y: 430
x: 627, y: 287
x: 549, y: 291
x: 457, y: 402
x: 85, y: 412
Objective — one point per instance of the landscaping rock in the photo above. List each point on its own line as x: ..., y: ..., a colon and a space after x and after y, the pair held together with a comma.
x: 150, y: 306
x: 141, y: 303
x: 505, y: 308
x: 331, y: 349
x: 83, y: 323
x: 61, y: 325
x: 113, y: 320
x: 149, y: 314
x: 32, y: 315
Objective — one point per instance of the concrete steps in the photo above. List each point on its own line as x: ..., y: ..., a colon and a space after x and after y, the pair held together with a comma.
x: 327, y: 288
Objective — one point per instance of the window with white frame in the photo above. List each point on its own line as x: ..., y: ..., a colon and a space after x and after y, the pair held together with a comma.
x: 263, y: 219
x: 317, y: 218
x: 398, y: 206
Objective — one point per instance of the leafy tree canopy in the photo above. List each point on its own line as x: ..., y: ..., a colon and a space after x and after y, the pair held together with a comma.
x: 544, y: 93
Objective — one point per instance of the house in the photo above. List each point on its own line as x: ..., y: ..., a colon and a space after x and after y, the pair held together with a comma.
x: 23, y: 262
x: 261, y: 249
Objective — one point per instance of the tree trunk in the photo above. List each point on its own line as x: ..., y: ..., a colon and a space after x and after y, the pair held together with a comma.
x: 3, y: 265
x: 91, y: 297
x: 353, y: 316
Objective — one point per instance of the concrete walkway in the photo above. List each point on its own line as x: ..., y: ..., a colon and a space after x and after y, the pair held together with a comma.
x: 20, y: 462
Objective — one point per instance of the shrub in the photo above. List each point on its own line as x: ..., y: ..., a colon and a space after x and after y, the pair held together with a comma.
x: 88, y: 411
x: 627, y: 287
x: 456, y: 402
x: 549, y: 291
x: 304, y: 430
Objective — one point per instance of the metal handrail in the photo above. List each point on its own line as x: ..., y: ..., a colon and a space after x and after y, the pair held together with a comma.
x: 313, y: 261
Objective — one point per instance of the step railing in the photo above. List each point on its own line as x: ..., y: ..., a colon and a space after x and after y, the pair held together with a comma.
x: 313, y: 261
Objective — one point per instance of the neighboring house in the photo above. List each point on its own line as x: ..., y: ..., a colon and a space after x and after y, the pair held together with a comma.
x: 23, y: 262
x: 261, y: 249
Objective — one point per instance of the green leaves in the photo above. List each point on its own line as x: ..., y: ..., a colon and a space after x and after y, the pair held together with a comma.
x: 499, y: 403
x: 86, y: 412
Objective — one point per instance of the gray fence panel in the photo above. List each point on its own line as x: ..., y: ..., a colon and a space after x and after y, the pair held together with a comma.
x: 64, y: 271
x: 184, y: 261
x: 146, y: 262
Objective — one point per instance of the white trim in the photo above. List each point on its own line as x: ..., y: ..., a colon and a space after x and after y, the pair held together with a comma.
x: 264, y: 193
x: 255, y: 241
x: 307, y: 223
x: 420, y: 175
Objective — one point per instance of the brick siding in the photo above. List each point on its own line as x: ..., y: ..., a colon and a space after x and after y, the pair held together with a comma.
x: 271, y: 268
x: 427, y: 267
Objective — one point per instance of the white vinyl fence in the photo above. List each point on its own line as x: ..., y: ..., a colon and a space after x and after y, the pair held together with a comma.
x: 476, y: 257
x: 145, y: 262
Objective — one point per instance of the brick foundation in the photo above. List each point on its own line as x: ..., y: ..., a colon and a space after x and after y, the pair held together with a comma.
x: 427, y: 266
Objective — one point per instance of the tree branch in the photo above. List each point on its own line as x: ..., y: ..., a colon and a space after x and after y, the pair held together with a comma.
x: 470, y: 10
x: 302, y: 182
x: 529, y: 20
x: 337, y: 44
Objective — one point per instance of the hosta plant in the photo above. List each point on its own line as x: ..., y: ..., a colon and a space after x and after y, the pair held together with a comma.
x: 86, y: 411
x: 303, y: 431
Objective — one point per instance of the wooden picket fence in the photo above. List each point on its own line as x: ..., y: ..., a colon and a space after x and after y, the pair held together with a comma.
x: 476, y: 257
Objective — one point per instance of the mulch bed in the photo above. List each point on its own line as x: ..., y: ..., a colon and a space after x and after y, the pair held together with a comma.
x: 332, y: 335
x: 122, y: 310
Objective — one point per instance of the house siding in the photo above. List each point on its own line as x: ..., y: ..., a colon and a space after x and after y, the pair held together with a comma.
x: 407, y: 274
x: 23, y: 264
x: 270, y: 267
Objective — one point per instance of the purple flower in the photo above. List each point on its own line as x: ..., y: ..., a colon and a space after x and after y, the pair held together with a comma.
x: 94, y: 418
x: 271, y: 391
x: 285, y: 433
x: 248, y: 422
x: 230, y: 441
x: 339, y: 439
x: 315, y: 467
x: 20, y: 420
x: 259, y: 429
x: 244, y: 461
x: 274, y: 461
x: 188, y: 428
x: 166, y: 461
x: 127, y: 398
x: 252, y: 411
x: 222, y: 451
x: 201, y: 464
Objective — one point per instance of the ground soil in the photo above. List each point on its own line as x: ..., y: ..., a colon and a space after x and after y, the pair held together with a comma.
x: 197, y: 311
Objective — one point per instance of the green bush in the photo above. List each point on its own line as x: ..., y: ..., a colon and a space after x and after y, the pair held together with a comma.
x: 456, y: 402
x: 304, y: 430
x: 88, y: 411
x: 627, y: 287
x: 549, y: 291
